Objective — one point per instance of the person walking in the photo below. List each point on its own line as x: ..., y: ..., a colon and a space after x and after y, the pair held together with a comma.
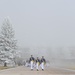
x: 31, y: 60
x: 43, y: 61
x: 37, y: 63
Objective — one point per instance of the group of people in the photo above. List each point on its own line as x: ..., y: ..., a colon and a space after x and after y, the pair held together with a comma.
x: 38, y: 62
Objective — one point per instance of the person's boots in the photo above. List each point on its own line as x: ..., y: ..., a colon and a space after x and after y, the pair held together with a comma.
x: 31, y: 69
x: 37, y: 70
x: 42, y: 69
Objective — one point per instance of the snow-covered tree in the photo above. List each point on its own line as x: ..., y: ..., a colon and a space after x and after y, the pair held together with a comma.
x: 7, y: 42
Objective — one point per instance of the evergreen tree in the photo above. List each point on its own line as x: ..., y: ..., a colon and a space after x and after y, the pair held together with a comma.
x: 7, y: 42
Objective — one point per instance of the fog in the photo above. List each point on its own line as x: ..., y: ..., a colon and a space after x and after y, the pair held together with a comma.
x: 55, y: 57
x: 42, y: 27
x: 41, y: 23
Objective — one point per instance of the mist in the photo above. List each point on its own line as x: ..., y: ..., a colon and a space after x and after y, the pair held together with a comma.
x: 41, y: 23
x: 42, y: 27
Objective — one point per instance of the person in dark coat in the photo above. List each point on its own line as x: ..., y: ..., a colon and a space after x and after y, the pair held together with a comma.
x: 37, y: 63
x: 31, y: 60
x: 43, y: 62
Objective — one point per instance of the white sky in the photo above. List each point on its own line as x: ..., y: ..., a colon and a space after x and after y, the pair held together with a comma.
x: 41, y: 22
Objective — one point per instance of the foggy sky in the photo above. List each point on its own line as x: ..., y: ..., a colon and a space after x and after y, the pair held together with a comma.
x: 48, y: 23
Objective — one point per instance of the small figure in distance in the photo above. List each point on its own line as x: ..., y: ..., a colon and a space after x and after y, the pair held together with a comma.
x: 37, y: 63
x: 31, y: 60
x: 43, y: 62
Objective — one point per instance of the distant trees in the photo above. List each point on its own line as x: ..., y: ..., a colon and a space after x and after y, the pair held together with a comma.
x: 7, y: 42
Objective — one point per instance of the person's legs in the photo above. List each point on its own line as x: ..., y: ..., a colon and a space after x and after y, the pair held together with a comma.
x: 37, y: 66
x: 31, y: 65
x: 42, y: 66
